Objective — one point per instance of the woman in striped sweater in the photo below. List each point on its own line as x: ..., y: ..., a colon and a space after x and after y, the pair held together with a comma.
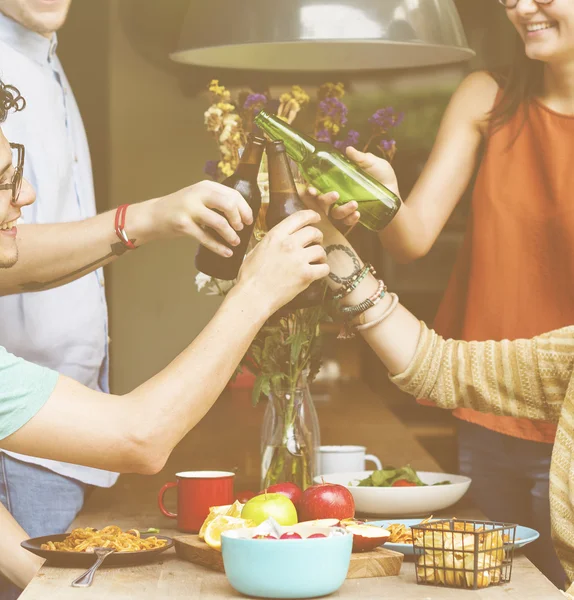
x: 522, y: 378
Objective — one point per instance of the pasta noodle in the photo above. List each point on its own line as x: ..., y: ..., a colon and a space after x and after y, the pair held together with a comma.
x: 85, y: 540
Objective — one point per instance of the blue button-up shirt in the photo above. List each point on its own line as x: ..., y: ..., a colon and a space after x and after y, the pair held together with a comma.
x: 64, y: 328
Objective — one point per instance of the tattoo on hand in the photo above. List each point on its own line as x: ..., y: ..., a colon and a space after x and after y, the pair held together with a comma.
x: 116, y: 249
x: 356, y: 265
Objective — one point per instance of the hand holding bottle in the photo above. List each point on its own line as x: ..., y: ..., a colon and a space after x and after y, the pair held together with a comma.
x: 288, y: 259
x: 375, y: 166
x: 199, y: 211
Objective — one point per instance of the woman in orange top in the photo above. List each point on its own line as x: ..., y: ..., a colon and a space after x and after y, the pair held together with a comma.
x: 521, y: 135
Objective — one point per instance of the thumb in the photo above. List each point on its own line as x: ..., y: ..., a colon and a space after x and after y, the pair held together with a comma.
x: 375, y: 166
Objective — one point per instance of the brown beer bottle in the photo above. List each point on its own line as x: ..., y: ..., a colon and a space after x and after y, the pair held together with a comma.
x: 244, y: 180
x: 284, y: 200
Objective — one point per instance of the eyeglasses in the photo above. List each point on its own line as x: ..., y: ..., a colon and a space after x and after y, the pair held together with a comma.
x: 16, y: 184
x: 514, y: 3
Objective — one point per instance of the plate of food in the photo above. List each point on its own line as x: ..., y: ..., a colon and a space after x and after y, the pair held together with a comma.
x: 401, y: 539
x: 400, y: 492
x: 75, y: 549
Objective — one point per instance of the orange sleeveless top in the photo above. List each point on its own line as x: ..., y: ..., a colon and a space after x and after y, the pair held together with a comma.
x: 514, y: 277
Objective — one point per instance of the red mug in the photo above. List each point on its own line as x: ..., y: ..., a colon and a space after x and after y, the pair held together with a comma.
x: 197, y: 492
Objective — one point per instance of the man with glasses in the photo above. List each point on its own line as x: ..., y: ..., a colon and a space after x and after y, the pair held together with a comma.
x: 44, y: 413
x: 66, y: 328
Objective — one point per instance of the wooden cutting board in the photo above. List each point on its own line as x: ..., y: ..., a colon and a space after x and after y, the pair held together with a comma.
x: 377, y: 563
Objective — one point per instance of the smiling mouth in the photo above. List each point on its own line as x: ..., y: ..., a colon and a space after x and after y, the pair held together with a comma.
x: 539, y: 26
x: 9, y: 225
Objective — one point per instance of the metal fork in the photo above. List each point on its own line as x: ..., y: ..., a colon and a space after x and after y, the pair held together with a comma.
x: 86, y: 579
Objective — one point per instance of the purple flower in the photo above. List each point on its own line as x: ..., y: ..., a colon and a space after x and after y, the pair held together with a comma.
x: 388, y: 149
x: 255, y: 102
x: 323, y: 135
x: 210, y: 168
x: 352, y: 139
x: 386, y: 118
x: 335, y: 109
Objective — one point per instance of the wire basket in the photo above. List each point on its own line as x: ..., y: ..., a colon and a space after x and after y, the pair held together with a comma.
x: 463, y: 554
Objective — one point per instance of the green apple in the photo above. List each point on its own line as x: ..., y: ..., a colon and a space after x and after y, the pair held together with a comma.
x: 262, y: 507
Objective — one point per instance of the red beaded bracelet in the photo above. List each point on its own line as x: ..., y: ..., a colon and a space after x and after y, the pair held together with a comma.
x: 120, y: 223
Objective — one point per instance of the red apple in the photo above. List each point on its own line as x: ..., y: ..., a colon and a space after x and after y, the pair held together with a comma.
x: 264, y: 537
x: 290, y: 535
x: 291, y: 490
x: 326, y: 501
x: 244, y: 496
x: 316, y: 535
x: 367, y: 537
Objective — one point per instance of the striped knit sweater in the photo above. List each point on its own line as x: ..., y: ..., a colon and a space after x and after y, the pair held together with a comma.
x: 521, y: 378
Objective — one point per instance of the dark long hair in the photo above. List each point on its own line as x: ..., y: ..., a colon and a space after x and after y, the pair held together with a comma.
x: 523, y: 81
x: 10, y: 99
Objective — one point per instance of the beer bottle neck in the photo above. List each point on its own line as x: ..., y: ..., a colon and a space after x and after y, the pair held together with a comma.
x: 280, y: 176
x: 297, y: 145
x: 248, y: 167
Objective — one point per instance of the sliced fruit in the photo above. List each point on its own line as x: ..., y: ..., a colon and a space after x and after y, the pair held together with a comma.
x: 264, y: 537
x: 214, y: 512
x: 347, y: 522
x: 220, y: 524
x: 290, y: 535
x: 367, y: 537
x: 322, y: 523
x: 235, y: 509
x: 316, y: 535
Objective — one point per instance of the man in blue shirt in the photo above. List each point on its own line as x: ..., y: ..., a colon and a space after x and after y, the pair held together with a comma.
x: 47, y: 414
x: 64, y: 328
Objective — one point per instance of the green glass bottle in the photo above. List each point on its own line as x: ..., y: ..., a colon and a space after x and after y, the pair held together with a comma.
x: 328, y: 170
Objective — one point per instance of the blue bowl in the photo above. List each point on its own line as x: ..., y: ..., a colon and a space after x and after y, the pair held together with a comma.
x: 286, y: 568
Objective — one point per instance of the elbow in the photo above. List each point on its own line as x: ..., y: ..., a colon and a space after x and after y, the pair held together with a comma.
x: 410, y: 253
x: 143, y: 454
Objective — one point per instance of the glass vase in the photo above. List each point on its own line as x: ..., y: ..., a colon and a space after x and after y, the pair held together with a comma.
x: 290, y: 437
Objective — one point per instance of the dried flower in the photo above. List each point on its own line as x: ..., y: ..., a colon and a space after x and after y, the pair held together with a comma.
x: 323, y: 135
x: 210, y: 169
x: 352, y: 139
x: 388, y: 149
x: 255, y: 102
x: 385, y: 118
x: 219, y: 91
x: 331, y: 115
x: 331, y: 90
x: 290, y: 103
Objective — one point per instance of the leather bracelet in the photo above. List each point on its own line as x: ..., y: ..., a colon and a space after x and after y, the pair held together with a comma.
x: 355, y: 281
x: 120, y: 223
x: 352, y: 311
x: 379, y: 320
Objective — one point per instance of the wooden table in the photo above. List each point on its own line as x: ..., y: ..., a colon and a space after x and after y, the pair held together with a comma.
x: 228, y: 438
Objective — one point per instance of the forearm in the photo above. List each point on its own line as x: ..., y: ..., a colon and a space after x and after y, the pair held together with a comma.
x: 192, y: 383
x: 137, y: 431
x: 406, y: 237
x: 16, y: 564
x: 520, y: 378
x: 51, y: 255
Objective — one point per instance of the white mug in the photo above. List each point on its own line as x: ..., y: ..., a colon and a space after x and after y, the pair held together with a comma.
x: 344, y: 459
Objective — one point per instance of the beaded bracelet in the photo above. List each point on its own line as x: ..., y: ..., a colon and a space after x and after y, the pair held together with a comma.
x: 379, y: 320
x: 355, y: 281
x: 352, y: 311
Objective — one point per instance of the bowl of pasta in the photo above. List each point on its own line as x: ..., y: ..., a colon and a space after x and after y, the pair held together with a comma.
x: 76, y: 549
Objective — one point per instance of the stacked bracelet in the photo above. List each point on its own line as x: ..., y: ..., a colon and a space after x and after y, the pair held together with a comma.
x: 352, y: 311
x: 379, y: 320
x: 355, y: 281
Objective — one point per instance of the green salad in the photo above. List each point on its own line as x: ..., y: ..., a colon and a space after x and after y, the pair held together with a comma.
x: 392, y: 477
